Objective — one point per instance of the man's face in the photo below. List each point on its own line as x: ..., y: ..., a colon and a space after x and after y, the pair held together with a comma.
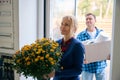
x: 90, y: 21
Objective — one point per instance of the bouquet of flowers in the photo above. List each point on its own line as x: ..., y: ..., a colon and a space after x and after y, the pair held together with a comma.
x: 37, y: 59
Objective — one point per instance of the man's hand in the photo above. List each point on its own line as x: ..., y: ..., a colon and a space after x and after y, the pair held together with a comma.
x: 85, y: 61
x: 108, y: 58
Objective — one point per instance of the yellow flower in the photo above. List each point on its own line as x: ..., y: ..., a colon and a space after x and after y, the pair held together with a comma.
x: 52, y: 62
x: 17, y: 52
x: 14, y: 56
x: 47, y: 55
x: 18, y: 61
x: 28, y: 63
x: 43, y: 55
x: 27, y: 59
x: 50, y: 58
x: 58, y: 54
x: 41, y: 58
x: 51, y: 50
x: 36, y: 59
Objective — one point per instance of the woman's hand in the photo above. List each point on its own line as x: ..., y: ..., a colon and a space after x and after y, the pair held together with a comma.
x: 46, y: 76
x: 52, y: 74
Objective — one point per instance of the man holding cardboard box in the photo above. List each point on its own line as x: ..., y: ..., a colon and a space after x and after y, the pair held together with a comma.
x: 89, y: 35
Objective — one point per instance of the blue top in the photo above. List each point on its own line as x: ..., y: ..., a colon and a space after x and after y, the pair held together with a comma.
x: 71, y: 62
x: 94, y: 67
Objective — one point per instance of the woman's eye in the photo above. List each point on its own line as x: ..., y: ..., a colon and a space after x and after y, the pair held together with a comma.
x: 66, y: 24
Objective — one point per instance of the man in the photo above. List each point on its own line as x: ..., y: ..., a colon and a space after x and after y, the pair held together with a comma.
x: 94, y: 68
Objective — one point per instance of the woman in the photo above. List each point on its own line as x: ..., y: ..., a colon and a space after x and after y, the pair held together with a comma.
x: 73, y: 52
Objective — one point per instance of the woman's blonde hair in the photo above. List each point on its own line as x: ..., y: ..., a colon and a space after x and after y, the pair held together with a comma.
x: 73, y: 21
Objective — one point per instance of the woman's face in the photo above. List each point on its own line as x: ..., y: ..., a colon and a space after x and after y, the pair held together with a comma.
x: 65, y: 26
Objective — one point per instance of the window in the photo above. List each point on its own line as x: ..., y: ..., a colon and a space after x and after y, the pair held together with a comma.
x: 58, y: 9
x: 101, y: 8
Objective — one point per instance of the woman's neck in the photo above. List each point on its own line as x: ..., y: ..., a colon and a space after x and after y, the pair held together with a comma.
x: 66, y: 38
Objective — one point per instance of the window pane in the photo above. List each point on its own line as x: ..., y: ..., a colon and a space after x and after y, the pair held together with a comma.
x: 58, y: 9
x: 101, y: 8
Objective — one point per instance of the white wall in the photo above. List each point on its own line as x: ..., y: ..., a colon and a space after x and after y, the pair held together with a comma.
x: 115, y: 65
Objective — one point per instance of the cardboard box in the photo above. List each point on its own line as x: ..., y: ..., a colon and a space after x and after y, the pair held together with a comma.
x: 97, y: 51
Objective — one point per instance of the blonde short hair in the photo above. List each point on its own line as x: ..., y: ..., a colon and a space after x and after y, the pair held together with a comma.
x: 73, y: 21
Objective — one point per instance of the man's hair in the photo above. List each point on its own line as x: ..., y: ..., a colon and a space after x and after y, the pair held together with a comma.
x: 90, y: 14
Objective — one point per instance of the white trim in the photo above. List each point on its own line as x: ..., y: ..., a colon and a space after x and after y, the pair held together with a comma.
x: 47, y: 16
x: 40, y: 18
x: 115, y: 63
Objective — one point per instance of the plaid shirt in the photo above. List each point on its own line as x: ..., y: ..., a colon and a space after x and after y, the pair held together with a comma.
x: 94, y: 67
